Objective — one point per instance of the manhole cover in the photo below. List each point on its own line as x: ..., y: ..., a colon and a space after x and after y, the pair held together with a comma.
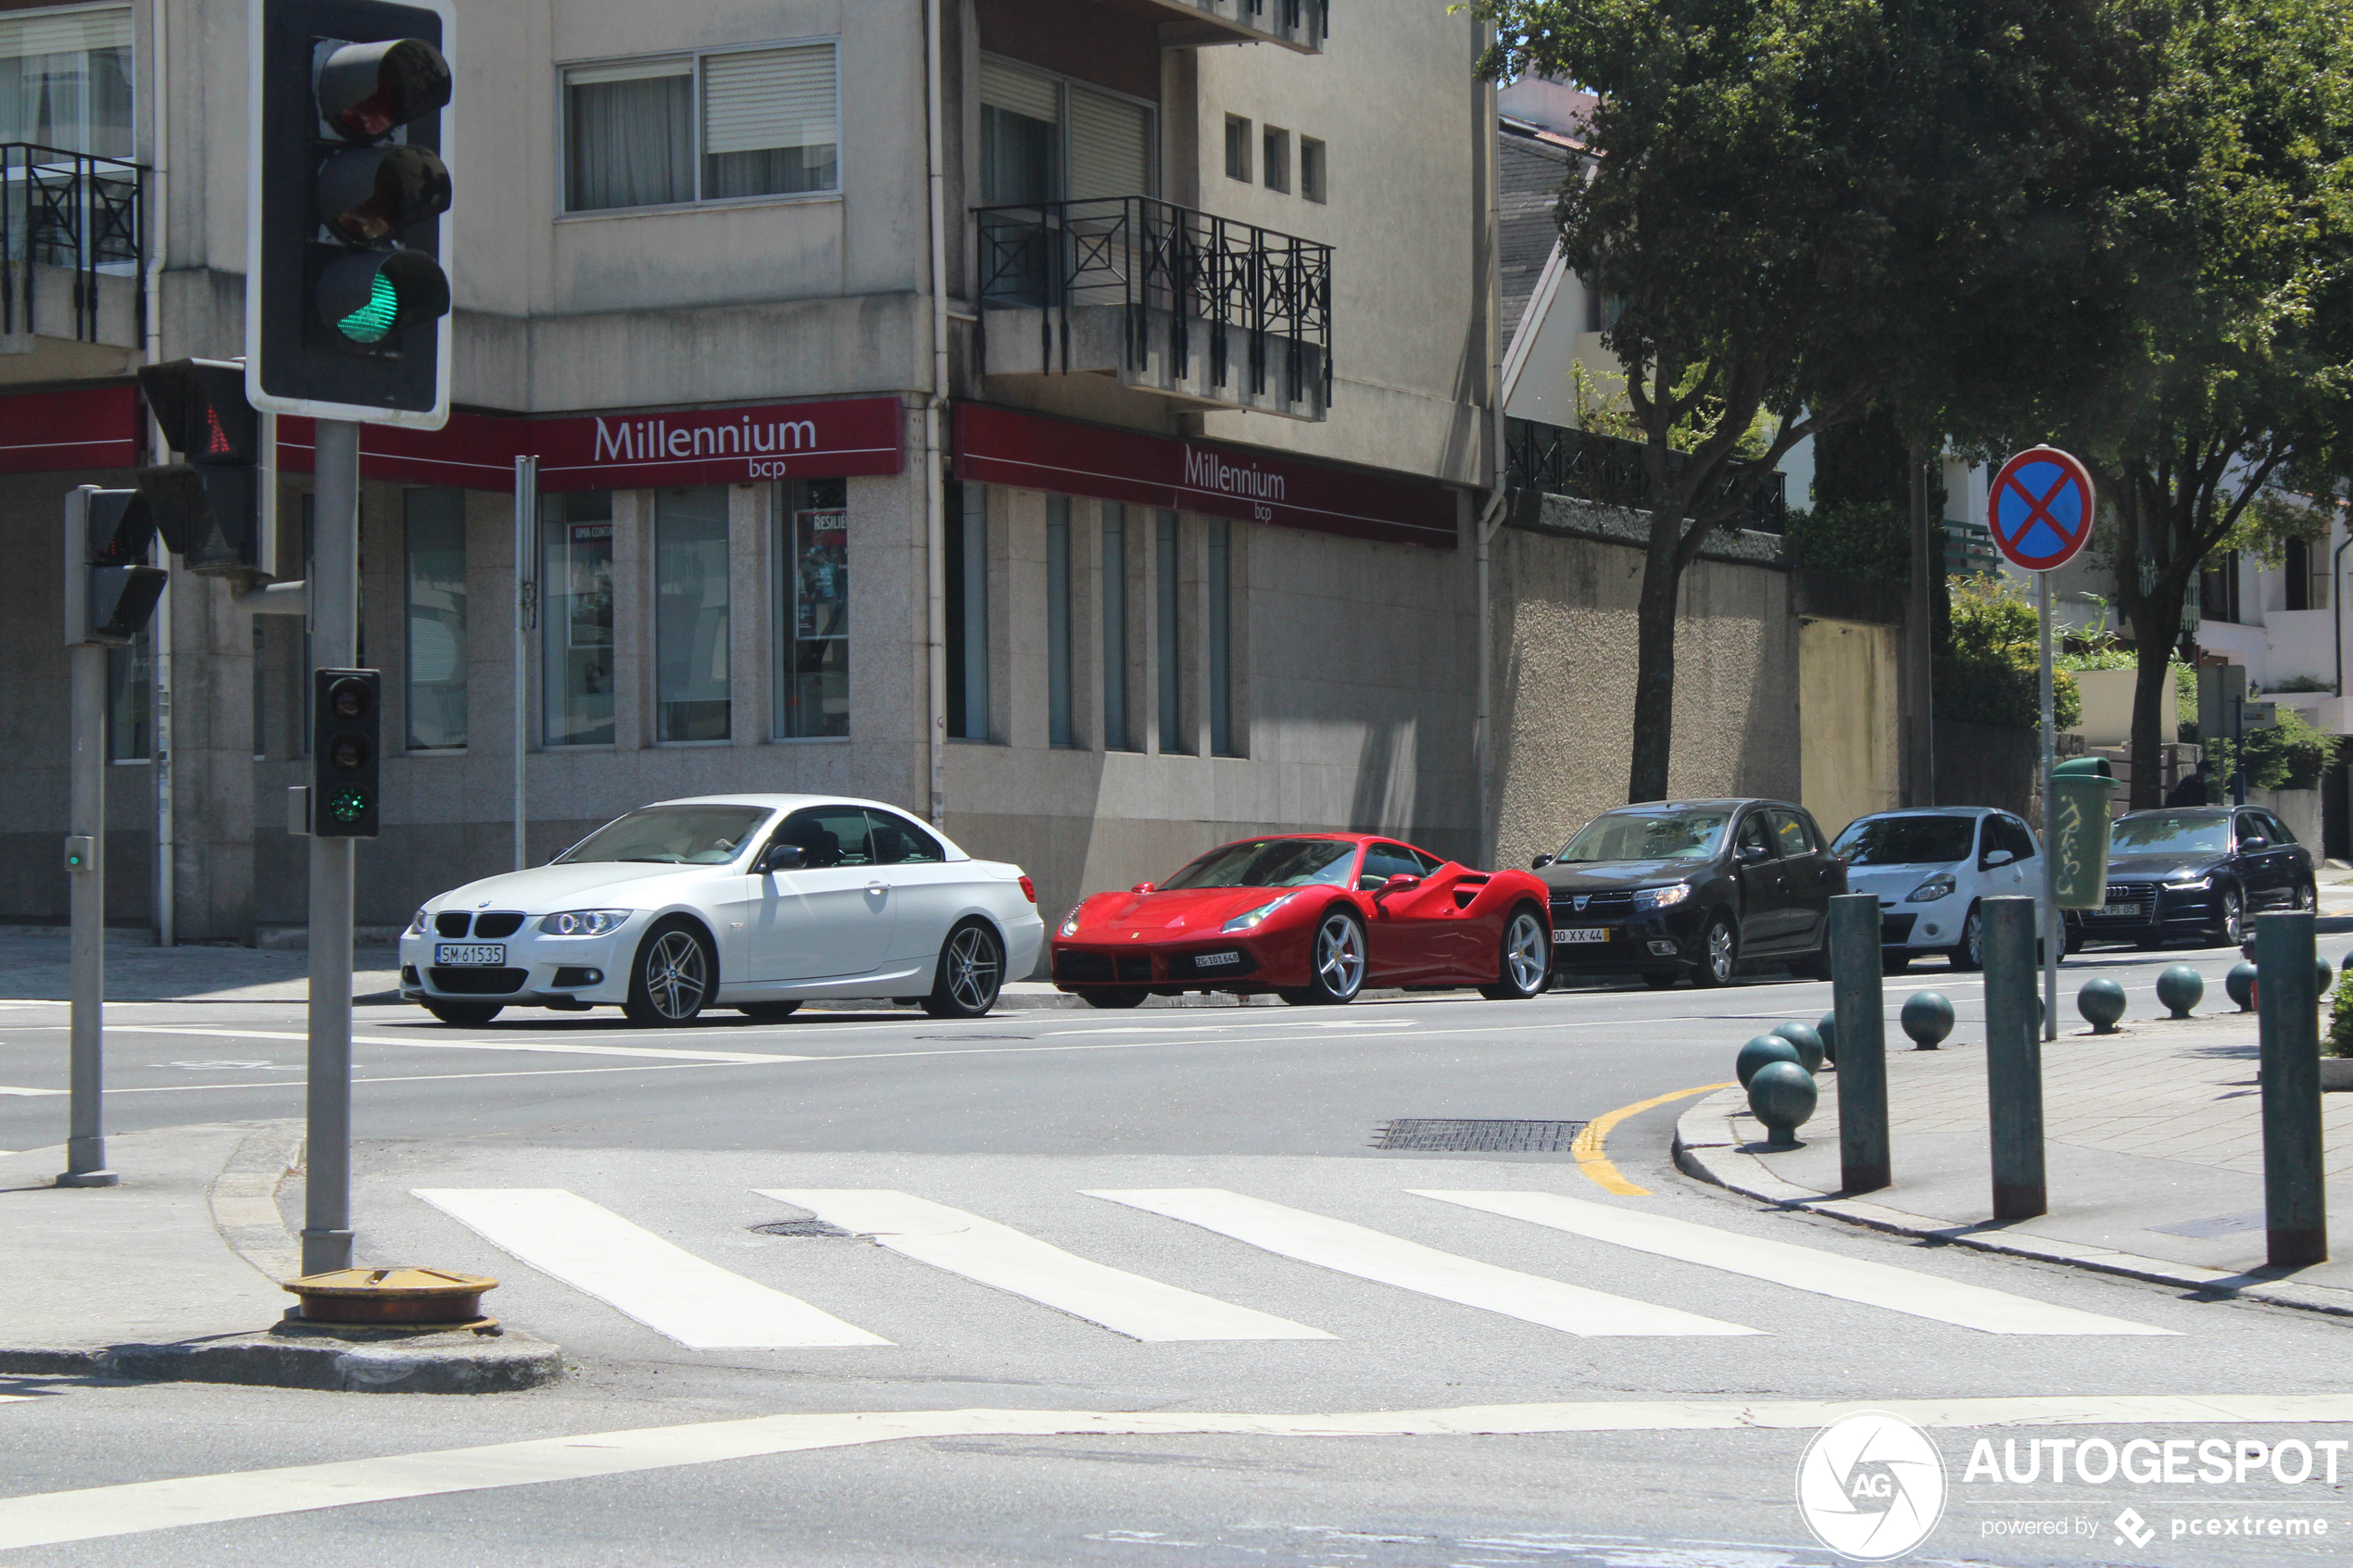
x: 800, y: 1227
x: 1451, y: 1134
x: 2220, y: 1224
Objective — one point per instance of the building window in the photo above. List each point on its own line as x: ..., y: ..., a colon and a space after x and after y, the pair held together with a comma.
x: 576, y: 619
x: 1221, y: 639
x: 435, y: 581
x: 967, y: 574
x: 2306, y: 574
x: 690, y: 613
x: 1600, y: 309
x: 713, y: 126
x: 1116, y: 736
x: 130, y: 678
x: 812, y: 608
x: 1044, y: 138
x: 1277, y: 159
x: 1058, y: 721
x: 1168, y: 581
x: 65, y: 79
x: 1238, y: 148
x: 2218, y: 587
x: 1312, y: 175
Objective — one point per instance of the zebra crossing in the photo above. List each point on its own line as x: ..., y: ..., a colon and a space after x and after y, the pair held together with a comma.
x: 697, y: 1303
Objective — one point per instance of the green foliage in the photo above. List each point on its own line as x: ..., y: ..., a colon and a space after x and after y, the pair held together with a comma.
x: 1989, y: 672
x: 2291, y: 755
x: 2340, y: 1036
x: 1853, y: 539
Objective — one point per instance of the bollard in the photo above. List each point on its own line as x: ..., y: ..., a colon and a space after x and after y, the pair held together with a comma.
x: 1927, y: 1018
x: 2102, y: 1003
x: 1826, y: 1027
x: 2014, y: 1060
x: 1760, y: 1050
x: 2322, y: 977
x: 2295, y: 1209
x: 2181, y: 988
x: 1861, y: 1043
x: 1782, y: 1097
x: 2239, y: 984
x: 1808, y: 1041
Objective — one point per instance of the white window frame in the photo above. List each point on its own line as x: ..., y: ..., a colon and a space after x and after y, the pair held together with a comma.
x: 697, y: 57
x: 138, y: 63
x: 1062, y: 86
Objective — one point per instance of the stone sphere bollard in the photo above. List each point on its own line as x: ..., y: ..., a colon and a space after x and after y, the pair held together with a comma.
x: 2322, y: 978
x: 1782, y: 1097
x: 2102, y: 1003
x: 1806, y: 1038
x: 1827, y: 1027
x: 2240, y: 985
x: 2181, y: 988
x: 1760, y: 1050
x: 1927, y: 1018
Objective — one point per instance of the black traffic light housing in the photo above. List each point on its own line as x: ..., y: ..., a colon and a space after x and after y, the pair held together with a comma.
x: 111, y: 590
x: 348, y: 299
x: 346, y: 750
x: 213, y: 507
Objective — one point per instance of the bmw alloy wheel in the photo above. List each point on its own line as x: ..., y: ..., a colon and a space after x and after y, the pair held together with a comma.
x: 972, y: 972
x: 1340, y: 957
x: 676, y: 978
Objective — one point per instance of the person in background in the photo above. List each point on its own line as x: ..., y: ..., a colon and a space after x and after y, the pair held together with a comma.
x: 2192, y: 790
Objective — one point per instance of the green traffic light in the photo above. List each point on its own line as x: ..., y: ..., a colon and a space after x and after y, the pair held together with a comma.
x: 347, y: 805
x: 373, y: 321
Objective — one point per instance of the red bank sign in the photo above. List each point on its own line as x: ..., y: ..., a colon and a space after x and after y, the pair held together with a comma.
x: 1006, y: 447
x: 58, y: 431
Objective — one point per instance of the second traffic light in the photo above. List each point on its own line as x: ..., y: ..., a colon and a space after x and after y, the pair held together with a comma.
x: 347, y: 298
x: 347, y: 726
x: 214, y: 508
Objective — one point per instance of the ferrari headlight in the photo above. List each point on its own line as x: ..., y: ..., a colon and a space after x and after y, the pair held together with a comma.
x: 1660, y: 897
x: 1254, y: 918
x: 418, y: 922
x: 1069, y: 926
x: 583, y: 922
x: 1935, y: 887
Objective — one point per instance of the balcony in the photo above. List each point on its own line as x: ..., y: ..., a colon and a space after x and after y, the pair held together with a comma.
x: 1294, y: 24
x: 1609, y: 468
x: 72, y: 248
x: 1213, y: 313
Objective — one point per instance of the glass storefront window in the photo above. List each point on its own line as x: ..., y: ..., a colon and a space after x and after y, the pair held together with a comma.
x: 436, y: 584
x: 130, y: 678
x: 690, y: 613
x: 576, y: 619
x: 812, y: 610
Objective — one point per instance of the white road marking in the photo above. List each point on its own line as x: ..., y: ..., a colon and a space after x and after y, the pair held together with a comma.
x: 664, y: 1287
x: 7, y: 1089
x: 557, y: 1047
x: 1009, y: 1261
x: 1408, y: 1265
x: 1801, y: 1268
x: 96, y: 1513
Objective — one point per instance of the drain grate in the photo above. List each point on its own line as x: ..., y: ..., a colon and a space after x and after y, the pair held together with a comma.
x: 801, y: 1227
x: 1451, y: 1134
x: 2220, y: 1224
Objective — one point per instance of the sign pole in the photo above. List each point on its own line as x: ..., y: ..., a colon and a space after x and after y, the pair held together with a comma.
x: 85, y: 879
x: 526, y: 617
x: 2053, y: 924
x: 334, y: 642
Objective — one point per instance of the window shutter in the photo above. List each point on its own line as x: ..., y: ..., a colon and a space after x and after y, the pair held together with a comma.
x: 70, y: 33
x: 765, y: 98
x: 1110, y: 147
x: 1024, y: 93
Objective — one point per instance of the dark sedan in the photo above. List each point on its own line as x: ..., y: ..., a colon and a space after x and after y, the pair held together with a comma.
x: 1677, y: 887
x: 2197, y: 871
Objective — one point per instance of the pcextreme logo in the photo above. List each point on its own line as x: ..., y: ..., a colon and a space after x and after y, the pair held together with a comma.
x: 1871, y: 1485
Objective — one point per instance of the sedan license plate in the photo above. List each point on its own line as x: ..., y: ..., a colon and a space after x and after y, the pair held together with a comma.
x: 1582, y: 933
x: 2125, y: 912
x: 465, y: 955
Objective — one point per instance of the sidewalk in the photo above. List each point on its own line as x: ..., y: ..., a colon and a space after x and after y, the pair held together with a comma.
x: 2154, y: 1154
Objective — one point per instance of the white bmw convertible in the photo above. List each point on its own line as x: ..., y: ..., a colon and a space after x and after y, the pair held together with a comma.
x: 755, y: 902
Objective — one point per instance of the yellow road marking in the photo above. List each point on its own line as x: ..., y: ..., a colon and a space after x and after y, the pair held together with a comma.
x: 1588, y: 1146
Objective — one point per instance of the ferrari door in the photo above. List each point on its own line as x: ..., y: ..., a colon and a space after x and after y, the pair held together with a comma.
x: 1406, y: 932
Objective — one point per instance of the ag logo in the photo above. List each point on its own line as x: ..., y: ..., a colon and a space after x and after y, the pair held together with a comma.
x: 1871, y: 1485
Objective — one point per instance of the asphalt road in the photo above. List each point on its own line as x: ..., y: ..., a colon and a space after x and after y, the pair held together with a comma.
x: 1226, y: 1153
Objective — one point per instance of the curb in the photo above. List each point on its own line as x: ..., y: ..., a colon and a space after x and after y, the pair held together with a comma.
x: 1708, y: 1148
x: 440, y: 1364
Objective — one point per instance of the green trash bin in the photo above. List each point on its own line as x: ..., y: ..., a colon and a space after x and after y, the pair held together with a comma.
x: 2076, y: 822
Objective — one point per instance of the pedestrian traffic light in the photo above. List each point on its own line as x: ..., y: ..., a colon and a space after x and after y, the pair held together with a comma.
x: 346, y: 298
x: 110, y: 589
x: 214, y: 507
x: 346, y: 712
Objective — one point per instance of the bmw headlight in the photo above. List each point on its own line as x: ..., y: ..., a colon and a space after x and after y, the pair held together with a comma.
x: 1255, y: 918
x: 1660, y: 897
x: 583, y: 922
x: 1935, y: 887
x: 418, y: 922
x: 1069, y: 926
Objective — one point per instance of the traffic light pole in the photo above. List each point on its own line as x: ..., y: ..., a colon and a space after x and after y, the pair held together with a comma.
x: 335, y: 640
x: 86, y: 804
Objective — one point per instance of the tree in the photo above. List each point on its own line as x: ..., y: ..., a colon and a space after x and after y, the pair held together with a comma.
x: 1812, y: 211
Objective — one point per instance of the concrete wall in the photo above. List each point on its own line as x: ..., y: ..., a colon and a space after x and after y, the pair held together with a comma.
x: 1849, y: 720
x: 2108, y: 705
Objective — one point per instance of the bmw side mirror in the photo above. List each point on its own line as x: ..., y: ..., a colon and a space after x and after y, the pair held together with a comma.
x: 1539, y: 863
x: 783, y: 857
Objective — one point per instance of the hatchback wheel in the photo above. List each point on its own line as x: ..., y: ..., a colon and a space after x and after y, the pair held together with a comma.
x: 1527, y: 960
x: 972, y: 973
x: 673, y: 977
x: 1719, y: 954
x: 2307, y: 898
x: 1969, y: 953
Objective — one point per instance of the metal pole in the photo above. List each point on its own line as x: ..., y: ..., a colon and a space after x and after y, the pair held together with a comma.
x: 2053, y: 926
x: 86, y: 807
x: 526, y: 617
x: 2013, y: 1061
x: 1862, y: 1043
x: 334, y: 642
x: 1920, y: 645
x: 2294, y: 1206
x: 2238, y: 748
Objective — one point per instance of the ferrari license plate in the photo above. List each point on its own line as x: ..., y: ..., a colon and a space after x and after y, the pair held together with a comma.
x: 1581, y: 934
x: 469, y: 955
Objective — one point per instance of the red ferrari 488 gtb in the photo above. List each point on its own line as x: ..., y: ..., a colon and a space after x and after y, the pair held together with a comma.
x: 1313, y: 917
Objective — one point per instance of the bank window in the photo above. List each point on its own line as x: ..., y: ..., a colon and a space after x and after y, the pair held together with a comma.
x: 1221, y: 639
x: 1117, y: 736
x: 1169, y: 586
x: 131, y: 679
x: 1058, y: 721
x: 967, y: 574
x: 434, y: 529
x: 720, y: 126
x: 691, y: 642
x: 576, y: 619
x: 812, y: 608
x: 65, y: 79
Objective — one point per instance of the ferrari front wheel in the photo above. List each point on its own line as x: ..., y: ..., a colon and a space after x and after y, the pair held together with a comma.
x: 1336, y: 960
x: 1526, y: 958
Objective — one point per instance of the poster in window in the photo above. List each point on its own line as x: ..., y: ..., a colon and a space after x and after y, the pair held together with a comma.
x: 821, y: 566
x: 588, y: 585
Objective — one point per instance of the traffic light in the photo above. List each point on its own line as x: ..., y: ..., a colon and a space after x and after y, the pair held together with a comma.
x: 347, y: 299
x: 346, y: 711
x: 214, y: 509
x: 110, y: 589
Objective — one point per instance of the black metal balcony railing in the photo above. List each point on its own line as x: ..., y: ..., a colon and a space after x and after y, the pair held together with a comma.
x: 1175, y: 271
x: 1610, y: 468
x: 73, y: 210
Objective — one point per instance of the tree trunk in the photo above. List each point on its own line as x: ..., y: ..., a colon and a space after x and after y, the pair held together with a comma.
x: 1654, y: 669
x: 2156, y: 622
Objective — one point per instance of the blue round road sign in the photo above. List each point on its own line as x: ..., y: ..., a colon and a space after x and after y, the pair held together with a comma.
x: 2040, y: 508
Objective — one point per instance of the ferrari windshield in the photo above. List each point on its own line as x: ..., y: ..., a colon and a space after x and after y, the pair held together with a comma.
x: 1905, y: 841
x: 1271, y: 863
x: 678, y: 835
x: 1691, y: 833
x: 2170, y: 832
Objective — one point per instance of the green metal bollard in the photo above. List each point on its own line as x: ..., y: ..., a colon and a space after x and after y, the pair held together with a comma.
x: 2014, y: 1060
x: 1782, y: 1097
x: 2102, y: 1003
x: 2239, y: 984
x: 1827, y: 1027
x: 1927, y: 1018
x: 2294, y: 1206
x: 1758, y: 1052
x: 1806, y: 1038
x: 1861, y: 1042
x: 2181, y: 988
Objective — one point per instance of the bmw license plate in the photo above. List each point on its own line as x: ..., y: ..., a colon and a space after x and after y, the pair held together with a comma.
x: 1581, y: 934
x: 469, y: 955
